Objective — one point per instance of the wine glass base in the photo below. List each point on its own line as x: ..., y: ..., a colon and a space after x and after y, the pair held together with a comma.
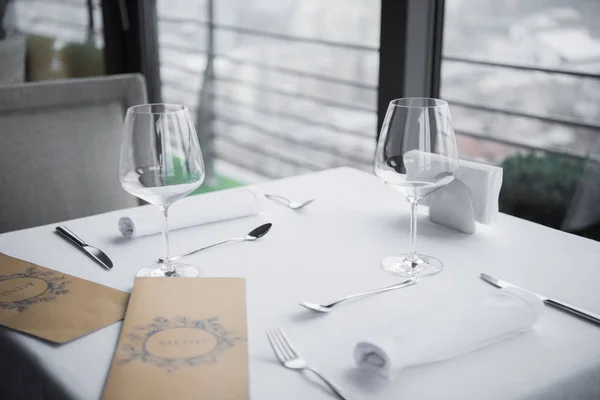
x: 409, y: 265
x: 180, y: 271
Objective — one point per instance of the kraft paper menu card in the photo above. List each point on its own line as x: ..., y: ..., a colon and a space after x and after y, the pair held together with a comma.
x: 52, y: 305
x: 183, y: 338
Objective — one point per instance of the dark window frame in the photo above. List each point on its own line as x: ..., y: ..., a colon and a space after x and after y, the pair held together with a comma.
x: 131, y: 41
x: 410, y: 52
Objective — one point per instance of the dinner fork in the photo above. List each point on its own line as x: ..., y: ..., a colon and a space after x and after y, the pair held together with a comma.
x: 294, y: 205
x: 288, y: 356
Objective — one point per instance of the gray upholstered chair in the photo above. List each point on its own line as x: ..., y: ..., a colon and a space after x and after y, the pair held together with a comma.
x: 59, y: 148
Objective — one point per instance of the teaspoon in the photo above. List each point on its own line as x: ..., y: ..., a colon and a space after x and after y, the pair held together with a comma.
x: 256, y: 233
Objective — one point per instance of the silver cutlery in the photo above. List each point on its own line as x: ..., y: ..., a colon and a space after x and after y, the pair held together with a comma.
x: 289, y: 357
x: 294, y: 205
x: 325, y: 308
x: 256, y: 233
x: 578, y: 312
x: 96, y: 254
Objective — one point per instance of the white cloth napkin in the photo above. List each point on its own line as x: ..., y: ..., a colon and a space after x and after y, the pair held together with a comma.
x: 442, y: 336
x: 483, y: 181
x: 195, y: 210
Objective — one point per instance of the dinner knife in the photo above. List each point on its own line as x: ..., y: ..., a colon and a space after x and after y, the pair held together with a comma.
x: 595, y: 318
x: 96, y: 254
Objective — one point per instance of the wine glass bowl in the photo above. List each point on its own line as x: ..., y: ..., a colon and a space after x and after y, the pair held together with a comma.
x: 161, y: 163
x: 416, y: 155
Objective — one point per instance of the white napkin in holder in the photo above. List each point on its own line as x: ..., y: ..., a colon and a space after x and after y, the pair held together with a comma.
x: 471, y: 197
x: 453, y: 207
x: 481, y: 183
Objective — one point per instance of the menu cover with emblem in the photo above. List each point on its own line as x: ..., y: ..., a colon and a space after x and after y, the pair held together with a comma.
x: 52, y: 305
x: 182, y: 338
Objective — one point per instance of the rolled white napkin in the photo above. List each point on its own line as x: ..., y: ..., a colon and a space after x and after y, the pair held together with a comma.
x: 195, y: 210
x: 442, y: 336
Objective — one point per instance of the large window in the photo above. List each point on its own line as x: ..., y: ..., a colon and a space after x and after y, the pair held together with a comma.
x: 279, y: 87
x: 285, y: 87
x: 522, y: 75
x: 523, y: 80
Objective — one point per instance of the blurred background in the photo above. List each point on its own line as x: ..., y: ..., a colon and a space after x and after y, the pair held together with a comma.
x: 286, y: 87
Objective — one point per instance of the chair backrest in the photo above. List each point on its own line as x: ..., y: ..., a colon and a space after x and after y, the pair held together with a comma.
x: 59, y: 148
x: 584, y: 209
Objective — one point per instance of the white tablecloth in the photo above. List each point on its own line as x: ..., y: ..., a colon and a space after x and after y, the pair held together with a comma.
x: 334, y: 248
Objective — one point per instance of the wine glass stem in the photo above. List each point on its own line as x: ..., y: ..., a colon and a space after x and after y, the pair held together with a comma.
x: 413, y: 229
x: 166, y: 265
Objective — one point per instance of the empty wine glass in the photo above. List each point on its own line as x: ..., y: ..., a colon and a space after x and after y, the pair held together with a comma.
x: 416, y: 154
x: 161, y: 163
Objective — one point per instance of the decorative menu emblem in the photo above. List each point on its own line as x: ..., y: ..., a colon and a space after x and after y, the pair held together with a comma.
x: 20, y: 290
x: 178, y: 342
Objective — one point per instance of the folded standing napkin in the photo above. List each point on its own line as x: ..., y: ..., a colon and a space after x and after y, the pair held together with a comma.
x: 196, y: 210
x: 442, y: 336
x: 483, y: 181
